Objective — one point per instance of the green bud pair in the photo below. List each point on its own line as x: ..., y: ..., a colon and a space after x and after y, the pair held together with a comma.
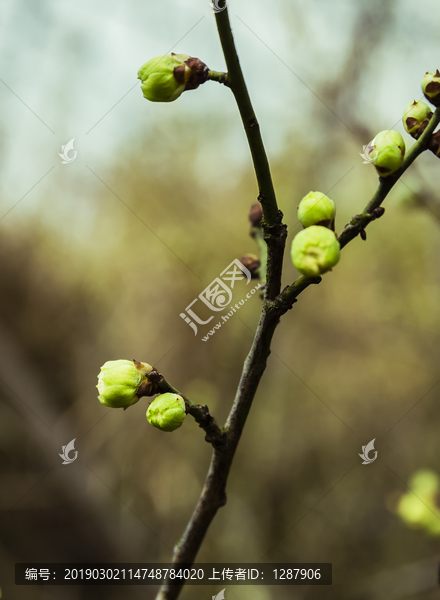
x: 431, y: 87
x: 122, y: 382
x: 165, y: 78
x: 167, y: 412
x: 317, y: 209
x: 315, y: 250
x: 416, y: 117
x: 388, y: 148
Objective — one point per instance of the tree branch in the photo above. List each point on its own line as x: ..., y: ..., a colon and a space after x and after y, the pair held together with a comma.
x: 275, y: 232
x: 213, y: 494
x: 250, y: 123
x: 257, y: 235
x: 274, y: 305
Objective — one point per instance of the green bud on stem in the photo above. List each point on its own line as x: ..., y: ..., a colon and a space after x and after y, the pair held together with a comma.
x: 165, y: 78
x: 431, y: 87
x: 416, y: 117
x: 315, y: 250
x: 119, y: 382
x: 389, y: 147
x: 167, y: 412
x: 317, y: 209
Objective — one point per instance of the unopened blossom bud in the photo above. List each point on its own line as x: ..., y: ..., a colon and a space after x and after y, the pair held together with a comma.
x: 119, y: 382
x: 317, y: 209
x: 431, y: 87
x: 252, y: 264
x: 164, y: 78
x: 389, y: 147
x: 416, y: 117
x: 167, y: 412
x: 418, y: 507
x: 315, y: 250
x: 434, y: 144
x: 425, y: 483
x: 255, y: 215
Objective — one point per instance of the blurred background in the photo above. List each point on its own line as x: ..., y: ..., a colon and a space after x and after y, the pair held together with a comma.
x: 100, y: 256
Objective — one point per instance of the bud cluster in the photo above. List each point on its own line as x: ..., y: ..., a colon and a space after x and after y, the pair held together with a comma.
x: 315, y: 249
x: 122, y: 382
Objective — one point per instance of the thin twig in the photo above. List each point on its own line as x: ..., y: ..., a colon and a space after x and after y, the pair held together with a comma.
x: 275, y: 232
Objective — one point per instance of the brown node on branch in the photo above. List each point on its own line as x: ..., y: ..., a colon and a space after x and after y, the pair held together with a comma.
x: 149, y: 386
x: 378, y: 212
x: 199, y: 73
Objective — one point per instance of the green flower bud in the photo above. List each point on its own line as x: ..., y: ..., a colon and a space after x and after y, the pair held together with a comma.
x: 167, y: 412
x: 425, y: 484
x: 164, y: 78
x: 119, y: 382
x: 315, y: 250
x: 389, y: 147
x: 431, y: 87
x: 412, y: 510
x: 317, y: 209
x: 416, y: 117
x: 418, y: 507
